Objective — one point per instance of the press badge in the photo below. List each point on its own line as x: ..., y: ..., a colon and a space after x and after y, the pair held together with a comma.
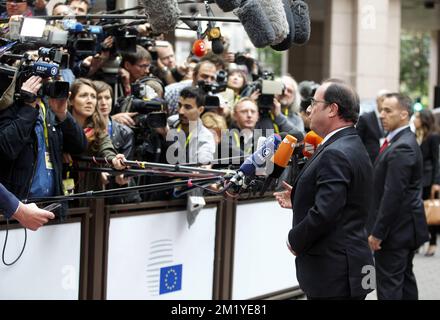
x: 68, y: 186
x: 48, y: 162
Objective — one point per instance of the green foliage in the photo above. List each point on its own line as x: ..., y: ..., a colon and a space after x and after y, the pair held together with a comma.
x: 271, y: 60
x: 414, y: 64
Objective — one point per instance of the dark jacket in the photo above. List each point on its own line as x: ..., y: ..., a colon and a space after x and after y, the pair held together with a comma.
x: 397, y: 216
x: 18, y: 146
x: 123, y: 139
x: 370, y: 132
x: 330, y: 199
x: 430, y: 150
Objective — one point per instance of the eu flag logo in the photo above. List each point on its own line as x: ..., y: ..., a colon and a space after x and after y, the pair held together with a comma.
x: 170, y: 279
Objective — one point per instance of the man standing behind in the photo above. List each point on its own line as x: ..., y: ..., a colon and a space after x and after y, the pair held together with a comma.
x: 330, y: 198
x: 370, y: 128
x: 397, y: 223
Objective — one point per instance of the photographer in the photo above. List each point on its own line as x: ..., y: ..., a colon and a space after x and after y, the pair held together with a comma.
x: 165, y: 66
x: 33, y: 138
x: 290, y: 102
x: 204, y: 71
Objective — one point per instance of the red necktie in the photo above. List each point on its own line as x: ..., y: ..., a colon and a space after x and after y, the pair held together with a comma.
x: 384, y: 146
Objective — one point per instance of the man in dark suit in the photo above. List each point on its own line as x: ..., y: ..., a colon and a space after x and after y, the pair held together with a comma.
x: 370, y: 128
x: 29, y: 215
x: 397, y: 222
x: 330, y: 198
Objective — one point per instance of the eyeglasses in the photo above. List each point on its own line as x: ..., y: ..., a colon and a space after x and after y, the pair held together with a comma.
x: 313, y: 102
x: 143, y: 66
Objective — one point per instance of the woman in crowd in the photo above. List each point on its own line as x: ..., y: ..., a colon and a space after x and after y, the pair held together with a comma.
x: 83, y: 105
x: 122, y: 138
x: 429, y: 140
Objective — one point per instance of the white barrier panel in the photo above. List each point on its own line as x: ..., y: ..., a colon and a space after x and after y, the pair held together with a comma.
x: 158, y: 257
x: 49, y: 267
x: 262, y: 262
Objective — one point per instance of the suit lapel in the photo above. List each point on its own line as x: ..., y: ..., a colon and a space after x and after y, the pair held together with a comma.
x: 391, y: 143
x: 344, y: 132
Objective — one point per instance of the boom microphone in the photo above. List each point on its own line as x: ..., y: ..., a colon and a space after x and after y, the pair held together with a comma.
x: 256, y: 23
x: 301, y: 16
x: 274, y: 11
x: 163, y: 15
x: 228, y: 5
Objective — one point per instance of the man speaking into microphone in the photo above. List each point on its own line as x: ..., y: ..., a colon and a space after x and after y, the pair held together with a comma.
x: 330, y: 198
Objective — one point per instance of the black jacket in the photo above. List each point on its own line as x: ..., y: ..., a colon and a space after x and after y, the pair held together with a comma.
x: 370, y: 132
x: 123, y: 139
x: 330, y: 199
x: 397, y: 216
x: 430, y: 150
x: 18, y: 146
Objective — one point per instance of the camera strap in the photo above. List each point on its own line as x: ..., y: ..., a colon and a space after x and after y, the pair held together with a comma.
x: 46, y: 135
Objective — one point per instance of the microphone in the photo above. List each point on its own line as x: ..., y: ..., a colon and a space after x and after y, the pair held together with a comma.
x: 256, y: 160
x: 280, y: 160
x: 228, y: 5
x: 274, y: 11
x: 311, y: 142
x: 301, y: 16
x: 256, y: 23
x: 217, y: 46
x: 163, y: 15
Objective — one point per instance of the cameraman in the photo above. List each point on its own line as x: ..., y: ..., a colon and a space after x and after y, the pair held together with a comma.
x: 165, y: 66
x: 32, y: 140
x: 290, y: 102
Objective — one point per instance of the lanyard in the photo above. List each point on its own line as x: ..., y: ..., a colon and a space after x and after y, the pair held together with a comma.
x: 275, y: 126
x: 237, y: 142
x: 46, y: 135
x: 189, y: 136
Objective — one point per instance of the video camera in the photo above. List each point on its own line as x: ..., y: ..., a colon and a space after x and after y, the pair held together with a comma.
x: 268, y: 89
x: 46, y: 70
x: 209, y: 89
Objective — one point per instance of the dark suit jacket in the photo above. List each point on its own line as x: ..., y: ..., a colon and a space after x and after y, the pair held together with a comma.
x: 397, y: 216
x: 430, y: 150
x: 330, y: 198
x: 370, y: 133
x: 8, y: 202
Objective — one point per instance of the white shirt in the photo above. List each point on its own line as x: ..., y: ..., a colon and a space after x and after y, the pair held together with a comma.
x: 327, y: 137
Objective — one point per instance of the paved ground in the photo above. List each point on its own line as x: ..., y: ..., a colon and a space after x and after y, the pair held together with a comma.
x: 427, y: 271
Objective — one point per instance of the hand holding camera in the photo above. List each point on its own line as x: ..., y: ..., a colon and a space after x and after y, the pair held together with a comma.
x: 29, y: 90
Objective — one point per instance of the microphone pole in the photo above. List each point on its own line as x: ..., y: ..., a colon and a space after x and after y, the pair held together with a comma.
x: 131, y: 17
x: 144, y: 164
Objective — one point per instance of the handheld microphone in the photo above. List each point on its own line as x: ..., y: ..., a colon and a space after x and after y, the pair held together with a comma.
x: 311, y: 142
x: 256, y: 160
x: 280, y: 160
x: 217, y: 46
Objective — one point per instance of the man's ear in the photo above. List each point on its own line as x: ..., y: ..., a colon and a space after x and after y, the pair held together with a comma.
x: 334, y: 109
x: 125, y: 65
x: 201, y: 109
x: 404, y: 114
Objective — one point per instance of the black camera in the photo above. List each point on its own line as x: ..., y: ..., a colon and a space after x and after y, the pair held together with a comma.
x: 307, y: 90
x: 268, y: 89
x: 55, y: 55
x: 46, y: 70
x: 242, y: 59
x: 151, y: 113
x: 209, y: 89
